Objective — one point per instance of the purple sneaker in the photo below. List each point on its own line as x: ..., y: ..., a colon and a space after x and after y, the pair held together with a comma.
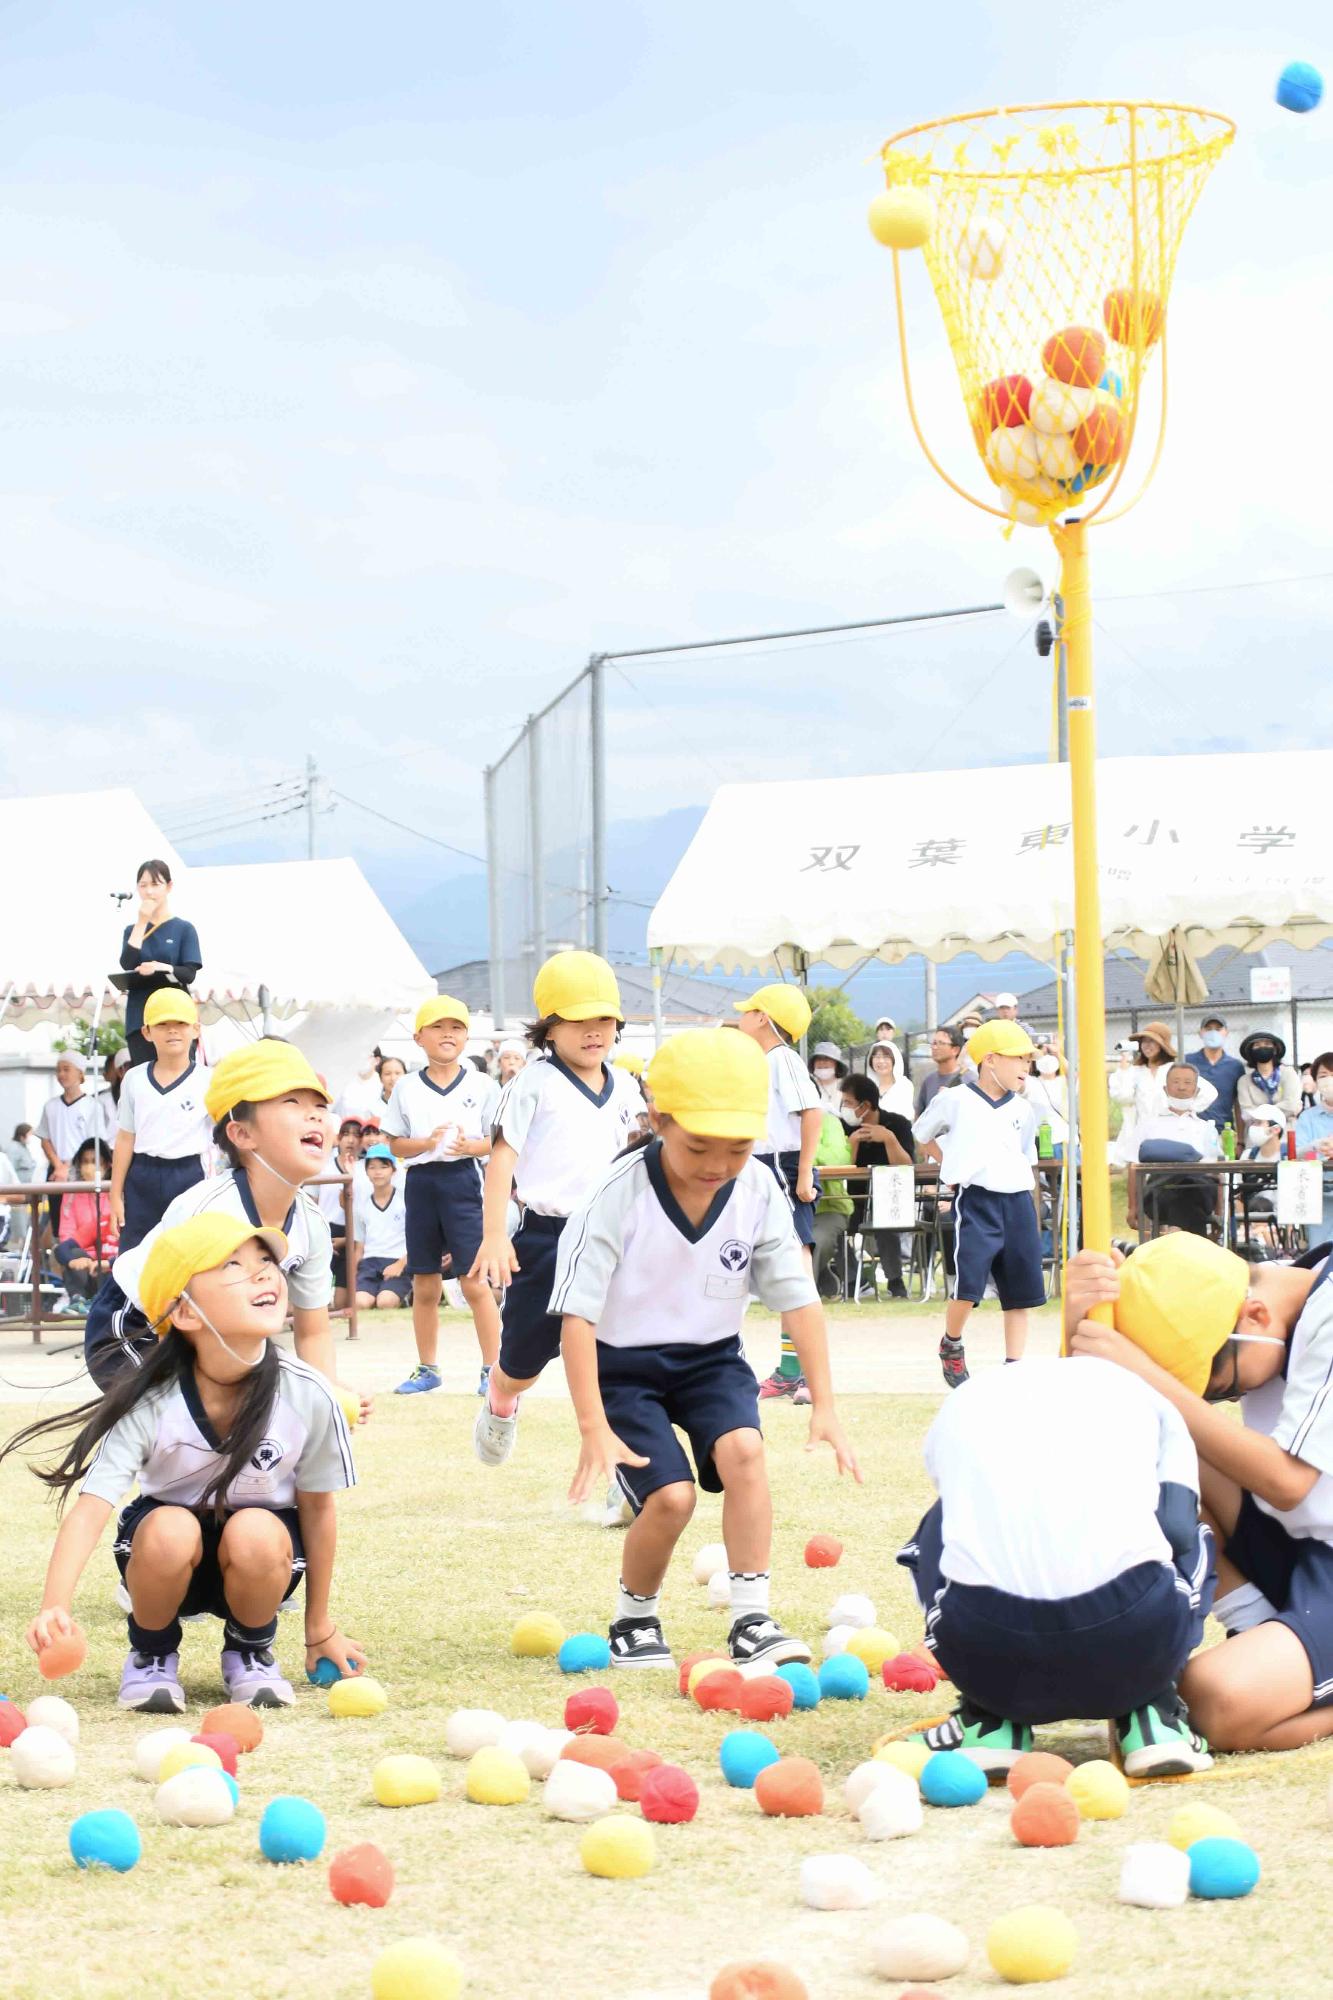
x: 254, y: 1676
x: 151, y: 1684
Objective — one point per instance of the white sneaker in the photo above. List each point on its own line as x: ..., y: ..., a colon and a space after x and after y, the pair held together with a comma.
x: 492, y: 1436
x: 617, y: 1512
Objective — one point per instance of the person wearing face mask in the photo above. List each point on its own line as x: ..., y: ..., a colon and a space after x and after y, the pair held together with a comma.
x: 1223, y: 1070
x: 1314, y: 1135
x: 1045, y: 1092
x: 1270, y: 1083
x: 828, y: 1066
x: 1178, y: 1132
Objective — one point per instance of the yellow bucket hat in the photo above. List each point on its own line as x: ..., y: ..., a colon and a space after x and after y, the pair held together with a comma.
x: 1180, y: 1298
x: 632, y: 1065
x: 576, y: 986
x: 201, y: 1244
x: 170, y: 1004
x: 999, y: 1038
x: 712, y: 1081
x: 786, y: 1006
x: 442, y: 1007
x: 258, y: 1071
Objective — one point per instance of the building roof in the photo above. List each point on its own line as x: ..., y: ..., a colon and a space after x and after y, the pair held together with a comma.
x: 685, y: 998
x: 1227, y: 973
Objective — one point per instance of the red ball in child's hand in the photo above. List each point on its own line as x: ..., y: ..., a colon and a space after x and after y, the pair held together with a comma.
x: 603, y: 1752
x: 1037, y: 1767
x: 361, y: 1875
x: 65, y: 1654
x: 720, y: 1690
x: 906, y: 1674
x: 823, y: 1552
x: 13, y: 1722
x: 630, y: 1774
x: 668, y: 1795
x: 1045, y: 1816
x: 760, y: 1979
x: 223, y: 1743
x: 592, y: 1712
x: 766, y: 1699
x: 790, y: 1789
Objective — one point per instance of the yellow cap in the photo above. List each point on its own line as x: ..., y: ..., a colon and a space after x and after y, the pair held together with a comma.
x: 1000, y: 1038
x: 170, y: 1004
x: 1180, y: 1298
x: 632, y: 1065
x: 443, y: 1007
x: 712, y: 1081
x: 576, y: 986
x: 201, y: 1244
x: 258, y: 1071
x: 786, y: 1006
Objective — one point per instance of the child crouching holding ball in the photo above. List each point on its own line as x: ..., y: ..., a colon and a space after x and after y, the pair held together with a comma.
x: 651, y: 1281
x: 237, y: 1449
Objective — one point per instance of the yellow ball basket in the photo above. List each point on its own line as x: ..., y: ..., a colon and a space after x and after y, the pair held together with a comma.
x: 1050, y: 233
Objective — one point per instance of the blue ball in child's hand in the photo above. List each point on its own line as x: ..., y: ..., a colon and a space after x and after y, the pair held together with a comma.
x: 803, y: 1682
x: 291, y: 1830
x: 584, y: 1653
x: 1300, y: 87
x: 105, y: 1840
x: 325, y: 1674
x: 951, y: 1779
x: 844, y: 1678
x: 743, y: 1754
x: 1221, y: 1868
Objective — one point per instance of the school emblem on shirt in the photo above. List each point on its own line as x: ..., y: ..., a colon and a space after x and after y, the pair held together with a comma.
x: 268, y: 1455
x: 734, y: 1255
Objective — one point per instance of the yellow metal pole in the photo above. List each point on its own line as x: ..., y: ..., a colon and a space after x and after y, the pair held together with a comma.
x: 1071, y: 541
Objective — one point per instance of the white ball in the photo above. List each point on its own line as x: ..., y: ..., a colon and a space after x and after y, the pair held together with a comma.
x: 981, y: 250
x: 537, y: 1747
x: 719, y: 1590
x: 852, y: 1610
x: 887, y: 1812
x: 837, y: 1882
x: 471, y: 1729
x: 863, y: 1780
x: 152, y: 1748
x: 1059, y: 406
x: 41, y: 1759
x: 1057, y: 457
x: 835, y: 1640
x: 1154, y: 1875
x: 578, y: 1791
x: 711, y: 1558
x: 920, y: 1947
x: 1012, y: 452
x: 197, y: 1796
x: 50, y: 1712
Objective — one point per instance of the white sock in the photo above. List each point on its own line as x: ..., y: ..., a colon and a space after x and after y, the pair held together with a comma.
x: 630, y: 1605
x: 749, y: 1591
x: 1241, y: 1609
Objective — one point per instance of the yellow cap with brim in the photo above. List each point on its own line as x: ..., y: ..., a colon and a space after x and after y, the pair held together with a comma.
x: 712, y: 1081
x: 632, y: 1065
x: 169, y: 1005
x: 181, y: 1253
x: 786, y: 1006
x: 999, y: 1038
x: 1180, y: 1298
x: 443, y: 1007
x: 576, y: 986
x: 256, y: 1072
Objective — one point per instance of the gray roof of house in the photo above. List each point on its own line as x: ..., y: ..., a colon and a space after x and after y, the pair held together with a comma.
x: 1227, y: 972
x: 684, y: 997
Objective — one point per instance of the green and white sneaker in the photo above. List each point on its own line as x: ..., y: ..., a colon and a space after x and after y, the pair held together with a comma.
x: 993, y: 1744
x: 1157, y: 1742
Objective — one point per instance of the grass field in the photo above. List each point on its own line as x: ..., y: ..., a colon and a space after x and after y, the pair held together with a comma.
x: 438, y: 1559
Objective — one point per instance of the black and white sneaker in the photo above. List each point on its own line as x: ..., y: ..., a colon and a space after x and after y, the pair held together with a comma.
x: 638, y: 1642
x: 757, y: 1639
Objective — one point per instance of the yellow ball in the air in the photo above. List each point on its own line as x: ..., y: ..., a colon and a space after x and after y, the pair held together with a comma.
x: 358, y: 1694
x: 902, y: 218
x: 873, y: 1645
x: 618, y: 1848
x: 183, y: 1756
x: 1098, y: 1789
x: 910, y: 1757
x: 1201, y: 1822
x: 539, y: 1636
x: 497, y: 1777
x: 405, y: 1781
x: 1031, y: 1944
x: 416, y: 1969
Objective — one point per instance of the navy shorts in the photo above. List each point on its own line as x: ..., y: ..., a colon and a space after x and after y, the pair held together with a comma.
x: 1295, y: 1574
x: 786, y: 1169
x: 443, y: 1203
x: 529, y: 1330
x: 115, y: 1335
x: 648, y: 1391
x: 1054, y: 1660
x: 151, y: 1185
x: 205, y: 1591
x: 370, y: 1278
x: 996, y: 1235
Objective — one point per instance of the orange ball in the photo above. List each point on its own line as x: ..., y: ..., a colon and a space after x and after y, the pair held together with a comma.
x: 603, y: 1752
x: 1077, y: 355
x: 361, y: 1874
x: 629, y: 1774
x: 1037, y: 1767
x: 790, y: 1789
x: 767, y: 1699
x: 1100, y: 438
x: 1045, y: 1816
x: 823, y: 1552
x: 1133, y: 320
x: 720, y: 1690
x: 234, y: 1719
x: 65, y: 1654
x: 691, y: 1661
x: 759, y: 1979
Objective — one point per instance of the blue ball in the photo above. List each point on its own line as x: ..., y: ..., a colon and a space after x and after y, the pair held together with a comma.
x: 1222, y: 1868
x: 744, y: 1754
x: 325, y: 1674
x: 845, y: 1678
x: 232, y: 1786
x: 1112, y: 383
x: 584, y: 1653
x: 1300, y: 87
x: 105, y: 1840
x: 291, y: 1830
x: 803, y: 1682
x: 951, y: 1779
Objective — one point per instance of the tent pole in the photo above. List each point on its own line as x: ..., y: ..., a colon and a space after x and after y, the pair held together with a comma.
x: 655, y: 960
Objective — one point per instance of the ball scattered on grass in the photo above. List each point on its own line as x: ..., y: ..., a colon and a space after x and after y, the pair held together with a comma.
x: 906, y: 1674
x: 592, y: 1710
x: 471, y: 1729
x: 152, y: 1747
x: 1200, y: 1821
x: 602, y: 1752
x: 538, y: 1636
x: 790, y: 1789
x: 1221, y: 1869
x: 1037, y: 1767
x: 767, y: 1699
x: 416, y: 1969
x: 743, y: 1754
x: 584, y: 1653
x: 41, y: 1759
x: 405, y: 1780
x: 669, y: 1795
x: 201, y: 1795
x: 837, y: 1882
x: 188, y: 1756
x: 758, y: 1979
x: 291, y: 1830
x: 904, y: 1755
x: 920, y: 1946
x: 711, y: 1558
x: 1031, y: 1945
x: 13, y: 1721
x: 361, y: 1874
x: 803, y: 1682
x: 852, y: 1609
x: 893, y: 1810
x: 538, y: 1746
x: 629, y: 1774
x: 223, y: 1745
x: 872, y: 1645
x: 1045, y: 1816
x: 497, y: 1777
x: 1154, y: 1875
x: 823, y: 1552
x: 719, y: 1688
x: 51, y: 1711
x: 360, y: 1695
x: 618, y: 1848
x: 578, y: 1792
x: 234, y: 1719
x: 844, y: 1678
x: 1098, y: 1789
x: 105, y: 1840
x: 949, y: 1778
x: 719, y: 1590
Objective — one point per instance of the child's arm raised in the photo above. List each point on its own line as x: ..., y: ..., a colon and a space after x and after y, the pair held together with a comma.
x: 495, y: 1261
x: 323, y: 1641
x: 78, y: 1536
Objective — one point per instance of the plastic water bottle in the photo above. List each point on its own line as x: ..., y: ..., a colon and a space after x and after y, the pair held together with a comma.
x: 1228, y: 1142
x: 1045, y: 1149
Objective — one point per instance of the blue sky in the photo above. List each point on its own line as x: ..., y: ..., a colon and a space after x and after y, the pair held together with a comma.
x: 364, y: 370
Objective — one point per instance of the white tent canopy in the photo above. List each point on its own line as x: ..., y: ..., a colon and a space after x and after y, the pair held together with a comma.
x: 842, y: 869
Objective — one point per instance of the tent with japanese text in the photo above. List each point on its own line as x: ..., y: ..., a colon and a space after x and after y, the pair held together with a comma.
x: 836, y: 870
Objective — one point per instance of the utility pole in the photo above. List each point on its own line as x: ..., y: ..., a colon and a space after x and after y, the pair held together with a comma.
x: 311, y: 774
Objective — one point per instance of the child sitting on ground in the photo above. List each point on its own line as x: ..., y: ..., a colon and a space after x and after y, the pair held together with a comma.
x: 381, y: 1236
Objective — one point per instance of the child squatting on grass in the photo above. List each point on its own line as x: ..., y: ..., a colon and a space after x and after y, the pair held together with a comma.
x: 652, y: 1278
x: 238, y: 1450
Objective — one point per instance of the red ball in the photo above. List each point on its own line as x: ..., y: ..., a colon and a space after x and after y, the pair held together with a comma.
x: 604, y: 1752
x: 1131, y: 321
x: 906, y: 1674
x: 1100, y: 439
x: 630, y: 1774
x: 1045, y: 1816
x: 691, y: 1661
x: 65, y: 1654
x: 721, y: 1690
x: 1037, y: 1767
x: 790, y: 1789
x: 758, y: 1980
x: 823, y: 1552
x: 766, y: 1699
x: 361, y: 1875
x: 1077, y: 355
x: 13, y: 1722
x: 668, y: 1795
x: 226, y: 1746
x: 924, y: 1653
x: 592, y: 1712
x: 1005, y: 403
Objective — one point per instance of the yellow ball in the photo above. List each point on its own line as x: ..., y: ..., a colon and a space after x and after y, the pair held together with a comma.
x: 1201, y: 1822
x: 497, y: 1777
x: 712, y: 1664
x: 909, y: 1757
x: 405, y: 1781
x: 902, y: 218
x: 873, y: 1645
x: 1098, y: 1789
x: 351, y: 1407
x: 618, y: 1848
x: 359, y: 1694
x: 183, y: 1756
x: 539, y: 1636
x: 416, y: 1969
x: 1031, y: 1944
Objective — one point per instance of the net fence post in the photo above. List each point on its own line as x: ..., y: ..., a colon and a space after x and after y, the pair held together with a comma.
x: 597, y: 747
x: 537, y: 854
x: 495, y: 901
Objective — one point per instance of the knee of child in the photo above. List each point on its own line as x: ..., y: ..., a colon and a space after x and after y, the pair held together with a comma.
x: 740, y: 1455
x: 673, y: 1505
x: 256, y: 1539
x: 387, y: 1301
x: 169, y: 1538
x: 1218, y: 1707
